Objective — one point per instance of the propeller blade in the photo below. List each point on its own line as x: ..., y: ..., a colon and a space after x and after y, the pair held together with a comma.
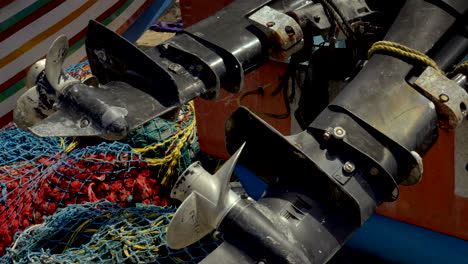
x: 224, y: 173
x: 54, y: 61
x: 206, y: 199
x: 34, y: 72
x: 190, y: 223
x: 25, y: 114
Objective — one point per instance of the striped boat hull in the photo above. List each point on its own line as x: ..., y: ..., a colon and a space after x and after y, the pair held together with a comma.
x: 28, y: 27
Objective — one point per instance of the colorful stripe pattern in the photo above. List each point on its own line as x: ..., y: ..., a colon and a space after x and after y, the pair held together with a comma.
x: 26, y: 34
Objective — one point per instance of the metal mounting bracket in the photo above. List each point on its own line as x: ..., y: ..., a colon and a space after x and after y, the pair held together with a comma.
x: 450, y: 99
x: 282, y: 29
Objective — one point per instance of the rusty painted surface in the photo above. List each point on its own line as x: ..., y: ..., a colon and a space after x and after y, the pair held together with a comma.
x: 211, y: 115
x: 449, y: 97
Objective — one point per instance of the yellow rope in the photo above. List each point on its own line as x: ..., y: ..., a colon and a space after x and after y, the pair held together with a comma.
x: 62, y: 143
x: 75, y: 142
x: 404, y: 51
x: 463, y: 67
x: 178, y: 259
x: 124, y: 235
x: 171, y: 159
x: 75, y: 234
x: 140, y: 247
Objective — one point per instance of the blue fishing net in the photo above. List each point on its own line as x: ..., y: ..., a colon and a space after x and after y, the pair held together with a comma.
x: 18, y: 146
x: 105, y: 233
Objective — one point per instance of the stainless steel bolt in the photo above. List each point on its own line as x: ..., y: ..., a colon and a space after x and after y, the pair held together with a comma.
x: 339, y: 132
x: 327, y: 135
x: 349, y: 167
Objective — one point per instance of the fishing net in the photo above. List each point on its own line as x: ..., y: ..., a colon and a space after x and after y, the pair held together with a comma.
x: 169, y: 146
x: 105, y: 233
x: 40, y: 175
x: 79, y: 71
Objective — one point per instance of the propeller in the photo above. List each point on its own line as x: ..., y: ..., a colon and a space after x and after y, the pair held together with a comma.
x: 45, y: 81
x: 206, y: 200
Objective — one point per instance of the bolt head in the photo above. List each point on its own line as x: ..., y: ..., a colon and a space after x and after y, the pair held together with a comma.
x: 101, y: 54
x: 339, y: 132
x: 327, y: 135
x: 174, y: 67
x: 349, y: 167
x: 290, y: 31
x: 84, y: 123
x: 270, y: 24
x: 444, y: 98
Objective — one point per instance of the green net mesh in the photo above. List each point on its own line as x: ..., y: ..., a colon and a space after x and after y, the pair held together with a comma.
x: 175, y: 144
x: 38, y: 176
x: 105, y: 233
